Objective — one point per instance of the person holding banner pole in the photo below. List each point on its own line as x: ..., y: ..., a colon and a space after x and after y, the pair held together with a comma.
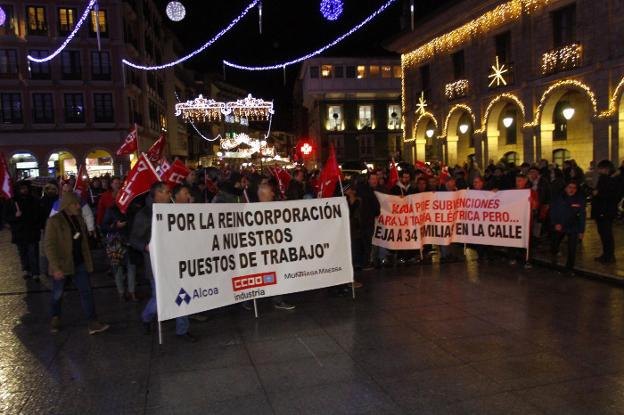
x: 266, y: 194
x: 140, y: 237
x: 522, y: 182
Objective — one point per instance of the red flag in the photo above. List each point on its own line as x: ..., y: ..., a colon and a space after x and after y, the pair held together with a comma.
x: 175, y: 175
x: 393, y: 177
x: 139, y: 181
x: 155, y: 152
x: 330, y: 175
x: 423, y: 167
x: 5, y: 179
x: 444, y: 174
x: 163, y: 167
x: 81, y: 187
x: 130, y: 144
x: 283, y: 179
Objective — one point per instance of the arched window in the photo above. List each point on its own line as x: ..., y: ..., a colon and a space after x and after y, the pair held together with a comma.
x: 560, y: 155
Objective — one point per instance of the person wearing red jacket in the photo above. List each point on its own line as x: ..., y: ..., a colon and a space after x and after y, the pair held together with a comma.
x: 107, y: 200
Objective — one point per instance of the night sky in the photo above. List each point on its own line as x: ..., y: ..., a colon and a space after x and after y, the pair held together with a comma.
x: 290, y: 29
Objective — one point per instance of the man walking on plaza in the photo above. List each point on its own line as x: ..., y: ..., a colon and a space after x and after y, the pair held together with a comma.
x: 67, y: 250
x: 139, y: 239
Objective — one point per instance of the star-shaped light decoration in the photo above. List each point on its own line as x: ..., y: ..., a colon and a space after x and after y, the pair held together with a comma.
x: 498, y: 74
x: 421, y: 107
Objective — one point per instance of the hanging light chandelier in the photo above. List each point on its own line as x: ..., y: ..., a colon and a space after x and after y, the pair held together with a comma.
x: 202, y: 109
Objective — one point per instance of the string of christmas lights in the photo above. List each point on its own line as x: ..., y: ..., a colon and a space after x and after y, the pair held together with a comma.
x: 69, y: 37
x: 316, y: 52
x: 198, y: 50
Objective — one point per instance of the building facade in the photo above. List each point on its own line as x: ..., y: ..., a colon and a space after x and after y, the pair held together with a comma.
x: 515, y: 80
x: 78, y: 107
x: 353, y: 103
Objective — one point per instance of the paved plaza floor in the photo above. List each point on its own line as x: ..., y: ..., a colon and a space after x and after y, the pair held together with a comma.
x: 462, y: 338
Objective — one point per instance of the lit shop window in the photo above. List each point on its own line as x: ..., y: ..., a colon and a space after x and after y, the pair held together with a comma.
x: 386, y: 71
x: 361, y: 72
x: 365, y: 119
x: 335, y: 119
x: 373, y: 71
x: 326, y: 71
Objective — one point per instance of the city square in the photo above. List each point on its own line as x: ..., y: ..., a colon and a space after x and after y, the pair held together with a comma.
x: 338, y: 206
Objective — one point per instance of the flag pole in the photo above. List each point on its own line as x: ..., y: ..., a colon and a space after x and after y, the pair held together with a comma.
x: 160, y: 341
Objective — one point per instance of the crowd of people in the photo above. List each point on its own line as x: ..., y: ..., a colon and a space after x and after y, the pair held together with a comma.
x: 71, y: 226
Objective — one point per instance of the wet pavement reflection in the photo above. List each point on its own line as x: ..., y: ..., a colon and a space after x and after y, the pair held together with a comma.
x: 461, y: 338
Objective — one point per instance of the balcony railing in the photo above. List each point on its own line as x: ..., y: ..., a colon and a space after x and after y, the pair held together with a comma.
x: 457, y: 89
x: 562, y: 59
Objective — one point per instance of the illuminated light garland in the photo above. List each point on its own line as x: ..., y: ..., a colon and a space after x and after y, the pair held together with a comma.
x: 196, y: 51
x: 500, y: 98
x: 203, y: 109
x: 458, y: 107
x: 456, y: 89
x: 613, y: 102
x: 562, y: 59
x: 331, y: 9
x: 566, y: 83
x: 316, y: 52
x: 486, y: 23
x: 425, y: 115
x: 69, y: 38
x: 2, y: 16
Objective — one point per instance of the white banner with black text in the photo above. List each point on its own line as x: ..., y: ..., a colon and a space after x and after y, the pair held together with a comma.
x: 206, y: 256
x: 465, y: 216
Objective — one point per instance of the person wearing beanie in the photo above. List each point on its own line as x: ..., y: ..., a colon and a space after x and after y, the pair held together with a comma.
x: 67, y: 249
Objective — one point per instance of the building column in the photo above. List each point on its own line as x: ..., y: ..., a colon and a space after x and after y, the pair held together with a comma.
x: 491, y: 147
x: 451, y: 150
x: 545, y: 142
x: 528, y: 144
x: 617, y: 142
x: 420, y: 145
x: 601, y: 139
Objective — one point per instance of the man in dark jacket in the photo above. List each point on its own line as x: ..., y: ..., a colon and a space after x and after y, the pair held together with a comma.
x: 296, y: 187
x: 567, y: 215
x: 404, y: 186
x: 369, y: 210
x: 604, y: 210
x: 23, y: 213
x: 140, y: 237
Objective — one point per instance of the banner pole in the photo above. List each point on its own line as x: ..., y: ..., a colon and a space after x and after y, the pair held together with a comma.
x: 160, y: 341
x: 353, y: 288
x: 255, y: 308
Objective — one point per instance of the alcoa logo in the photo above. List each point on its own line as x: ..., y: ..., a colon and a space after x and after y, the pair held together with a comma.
x: 182, y: 297
x: 247, y: 282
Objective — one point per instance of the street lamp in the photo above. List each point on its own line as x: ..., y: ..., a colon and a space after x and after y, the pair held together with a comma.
x: 429, y: 133
x: 568, y: 111
x: 463, y: 128
x: 508, y: 120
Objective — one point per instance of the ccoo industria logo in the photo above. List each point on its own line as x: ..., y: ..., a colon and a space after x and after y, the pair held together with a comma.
x: 247, y: 282
x: 182, y: 297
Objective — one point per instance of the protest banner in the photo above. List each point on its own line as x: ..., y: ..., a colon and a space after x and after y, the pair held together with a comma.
x: 206, y: 256
x: 441, y: 218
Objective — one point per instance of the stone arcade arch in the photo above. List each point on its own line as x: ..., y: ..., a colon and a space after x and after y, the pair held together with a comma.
x: 500, y: 139
x: 459, y: 144
x: 576, y: 135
